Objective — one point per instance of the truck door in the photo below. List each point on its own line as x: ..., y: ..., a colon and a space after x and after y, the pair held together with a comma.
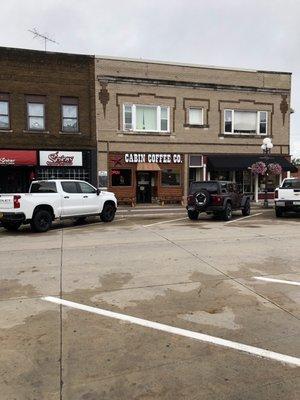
x: 71, y: 199
x: 90, y: 199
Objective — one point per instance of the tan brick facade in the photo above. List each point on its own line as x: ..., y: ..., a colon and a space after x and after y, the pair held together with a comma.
x: 179, y: 87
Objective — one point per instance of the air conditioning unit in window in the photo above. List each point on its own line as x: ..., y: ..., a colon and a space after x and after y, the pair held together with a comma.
x: 128, y: 127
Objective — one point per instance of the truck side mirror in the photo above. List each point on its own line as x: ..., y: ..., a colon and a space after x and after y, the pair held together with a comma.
x: 98, y: 191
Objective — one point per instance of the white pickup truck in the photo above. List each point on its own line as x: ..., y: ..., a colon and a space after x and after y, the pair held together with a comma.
x: 287, y: 196
x: 52, y: 199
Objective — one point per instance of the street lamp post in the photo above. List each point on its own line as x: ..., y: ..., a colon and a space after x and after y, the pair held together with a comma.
x: 266, y: 148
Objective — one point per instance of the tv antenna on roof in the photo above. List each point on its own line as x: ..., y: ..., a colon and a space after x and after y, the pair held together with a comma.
x: 46, y: 38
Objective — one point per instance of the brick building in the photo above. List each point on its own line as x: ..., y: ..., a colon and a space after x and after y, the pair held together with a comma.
x: 47, y: 117
x: 162, y: 125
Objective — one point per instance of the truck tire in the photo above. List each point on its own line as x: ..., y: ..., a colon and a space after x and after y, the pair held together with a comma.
x: 108, y: 212
x: 41, y: 221
x: 193, y: 215
x: 227, y: 213
x: 279, y: 212
x: 246, y: 209
x: 11, y: 226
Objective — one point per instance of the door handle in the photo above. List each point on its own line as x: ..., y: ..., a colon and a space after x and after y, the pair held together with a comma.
x: 67, y: 197
x: 85, y: 197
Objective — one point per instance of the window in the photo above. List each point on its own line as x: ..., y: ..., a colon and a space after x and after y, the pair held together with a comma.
x: 35, y: 114
x: 43, y: 187
x: 195, y: 116
x: 196, y: 161
x: 121, y: 177
x: 291, y: 184
x: 245, y: 122
x: 69, y: 111
x: 70, y: 187
x: 170, y: 177
x: 146, y: 118
x: 86, y: 188
x: 211, y: 187
x: 4, y: 112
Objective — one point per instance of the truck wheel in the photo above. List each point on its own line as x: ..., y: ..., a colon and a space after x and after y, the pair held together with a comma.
x: 279, y: 212
x: 11, y: 226
x: 193, y: 215
x: 246, y: 208
x: 41, y: 221
x: 227, y: 213
x: 108, y: 212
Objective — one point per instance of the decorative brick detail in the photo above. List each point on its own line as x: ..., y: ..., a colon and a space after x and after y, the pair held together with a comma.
x: 284, y: 107
x: 104, y: 96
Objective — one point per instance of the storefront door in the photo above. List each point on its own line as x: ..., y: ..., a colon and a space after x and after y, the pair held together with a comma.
x: 144, y: 192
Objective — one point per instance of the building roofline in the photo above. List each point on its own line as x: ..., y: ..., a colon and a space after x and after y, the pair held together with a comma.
x: 190, y: 65
x: 57, y: 53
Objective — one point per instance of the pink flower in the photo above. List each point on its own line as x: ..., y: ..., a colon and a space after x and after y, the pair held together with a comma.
x: 274, y: 169
x: 259, y: 168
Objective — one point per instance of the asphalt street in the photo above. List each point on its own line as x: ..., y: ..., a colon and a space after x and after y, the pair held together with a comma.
x: 152, y: 307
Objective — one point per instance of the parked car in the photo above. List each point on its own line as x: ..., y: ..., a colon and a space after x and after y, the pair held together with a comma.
x: 287, y: 196
x: 216, y: 197
x: 53, y: 199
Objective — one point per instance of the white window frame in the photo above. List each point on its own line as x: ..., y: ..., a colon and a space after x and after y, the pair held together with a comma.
x: 158, y: 116
x: 195, y: 108
x: 257, y: 123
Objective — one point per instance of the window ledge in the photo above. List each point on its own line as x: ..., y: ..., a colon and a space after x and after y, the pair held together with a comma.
x: 244, y: 135
x: 145, y: 133
x: 6, y: 131
x: 69, y: 133
x: 196, y: 126
x: 35, y: 131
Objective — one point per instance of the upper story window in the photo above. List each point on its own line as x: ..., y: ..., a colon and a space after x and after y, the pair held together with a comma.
x: 195, y: 116
x: 142, y: 118
x: 69, y: 112
x: 245, y: 122
x: 35, y: 113
x: 4, y: 112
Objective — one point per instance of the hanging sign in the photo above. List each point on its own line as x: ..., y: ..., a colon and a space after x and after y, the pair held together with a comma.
x: 61, y: 158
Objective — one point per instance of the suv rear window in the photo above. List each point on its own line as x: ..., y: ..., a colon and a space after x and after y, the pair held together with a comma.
x: 211, y: 187
x: 291, y: 184
x: 43, y: 187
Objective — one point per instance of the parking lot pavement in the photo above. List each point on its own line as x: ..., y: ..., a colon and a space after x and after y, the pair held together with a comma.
x: 198, y: 276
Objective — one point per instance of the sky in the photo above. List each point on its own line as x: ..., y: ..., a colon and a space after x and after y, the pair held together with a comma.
x: 257, y: 34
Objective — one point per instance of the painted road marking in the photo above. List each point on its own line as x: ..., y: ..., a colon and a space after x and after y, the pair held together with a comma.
x: 262, y: 278
x: 178, y: 331
x: 165, y: 222
x: 239, y: 219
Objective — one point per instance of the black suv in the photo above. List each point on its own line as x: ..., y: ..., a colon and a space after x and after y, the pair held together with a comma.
x: 216, y: 197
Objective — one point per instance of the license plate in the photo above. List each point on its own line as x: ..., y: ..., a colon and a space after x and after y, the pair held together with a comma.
x: 280, y: 203
x: 296, y: 203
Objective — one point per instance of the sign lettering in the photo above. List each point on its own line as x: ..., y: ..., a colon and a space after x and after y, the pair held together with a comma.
x: 159, y: 158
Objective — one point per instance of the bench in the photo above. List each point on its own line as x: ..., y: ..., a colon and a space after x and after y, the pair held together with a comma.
x: 171, y: 200
x: 127, y: 200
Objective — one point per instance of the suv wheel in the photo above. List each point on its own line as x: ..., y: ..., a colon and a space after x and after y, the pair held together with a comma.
x: 227, y: 213
x: 246, y: 208
x: 108, y: 212
x: 193, y: 215
x: 41, y: 221
x: 11, y: 226
x: 279, y: 212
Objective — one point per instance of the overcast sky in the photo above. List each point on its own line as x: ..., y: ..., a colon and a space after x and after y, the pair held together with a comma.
x: 262, y: 34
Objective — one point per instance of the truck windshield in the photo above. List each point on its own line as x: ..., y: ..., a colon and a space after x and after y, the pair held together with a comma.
x: 211, y: 187
x: 291, y: 184
x: 43, y: 187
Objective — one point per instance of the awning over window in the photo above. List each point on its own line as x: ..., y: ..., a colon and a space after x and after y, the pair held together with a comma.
x: 18, y: 157
x: 147, y: 167
x: 240, y: 162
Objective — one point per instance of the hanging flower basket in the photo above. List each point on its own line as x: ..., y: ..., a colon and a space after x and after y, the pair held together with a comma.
x: 259, y: 168
x: 274, y: 169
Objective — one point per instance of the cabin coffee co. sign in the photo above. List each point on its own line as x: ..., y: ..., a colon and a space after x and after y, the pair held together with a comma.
x: 61, y: 158
x: 159, y: 158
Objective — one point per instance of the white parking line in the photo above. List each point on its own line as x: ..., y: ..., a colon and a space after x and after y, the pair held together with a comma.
x: 239, y: 219
x: 262, y: 278
x: 181, y: 332
x: 165, y: 222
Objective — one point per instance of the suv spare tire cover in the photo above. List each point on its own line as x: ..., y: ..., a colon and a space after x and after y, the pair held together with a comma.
x: 202, y: 198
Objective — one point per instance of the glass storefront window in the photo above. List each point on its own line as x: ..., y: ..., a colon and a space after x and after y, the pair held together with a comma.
x: 272, y: 183
x: 170, y: 177
x: 121, y: 177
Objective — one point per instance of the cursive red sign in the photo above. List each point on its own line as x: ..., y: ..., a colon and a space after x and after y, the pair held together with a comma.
x: 56, y: 160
